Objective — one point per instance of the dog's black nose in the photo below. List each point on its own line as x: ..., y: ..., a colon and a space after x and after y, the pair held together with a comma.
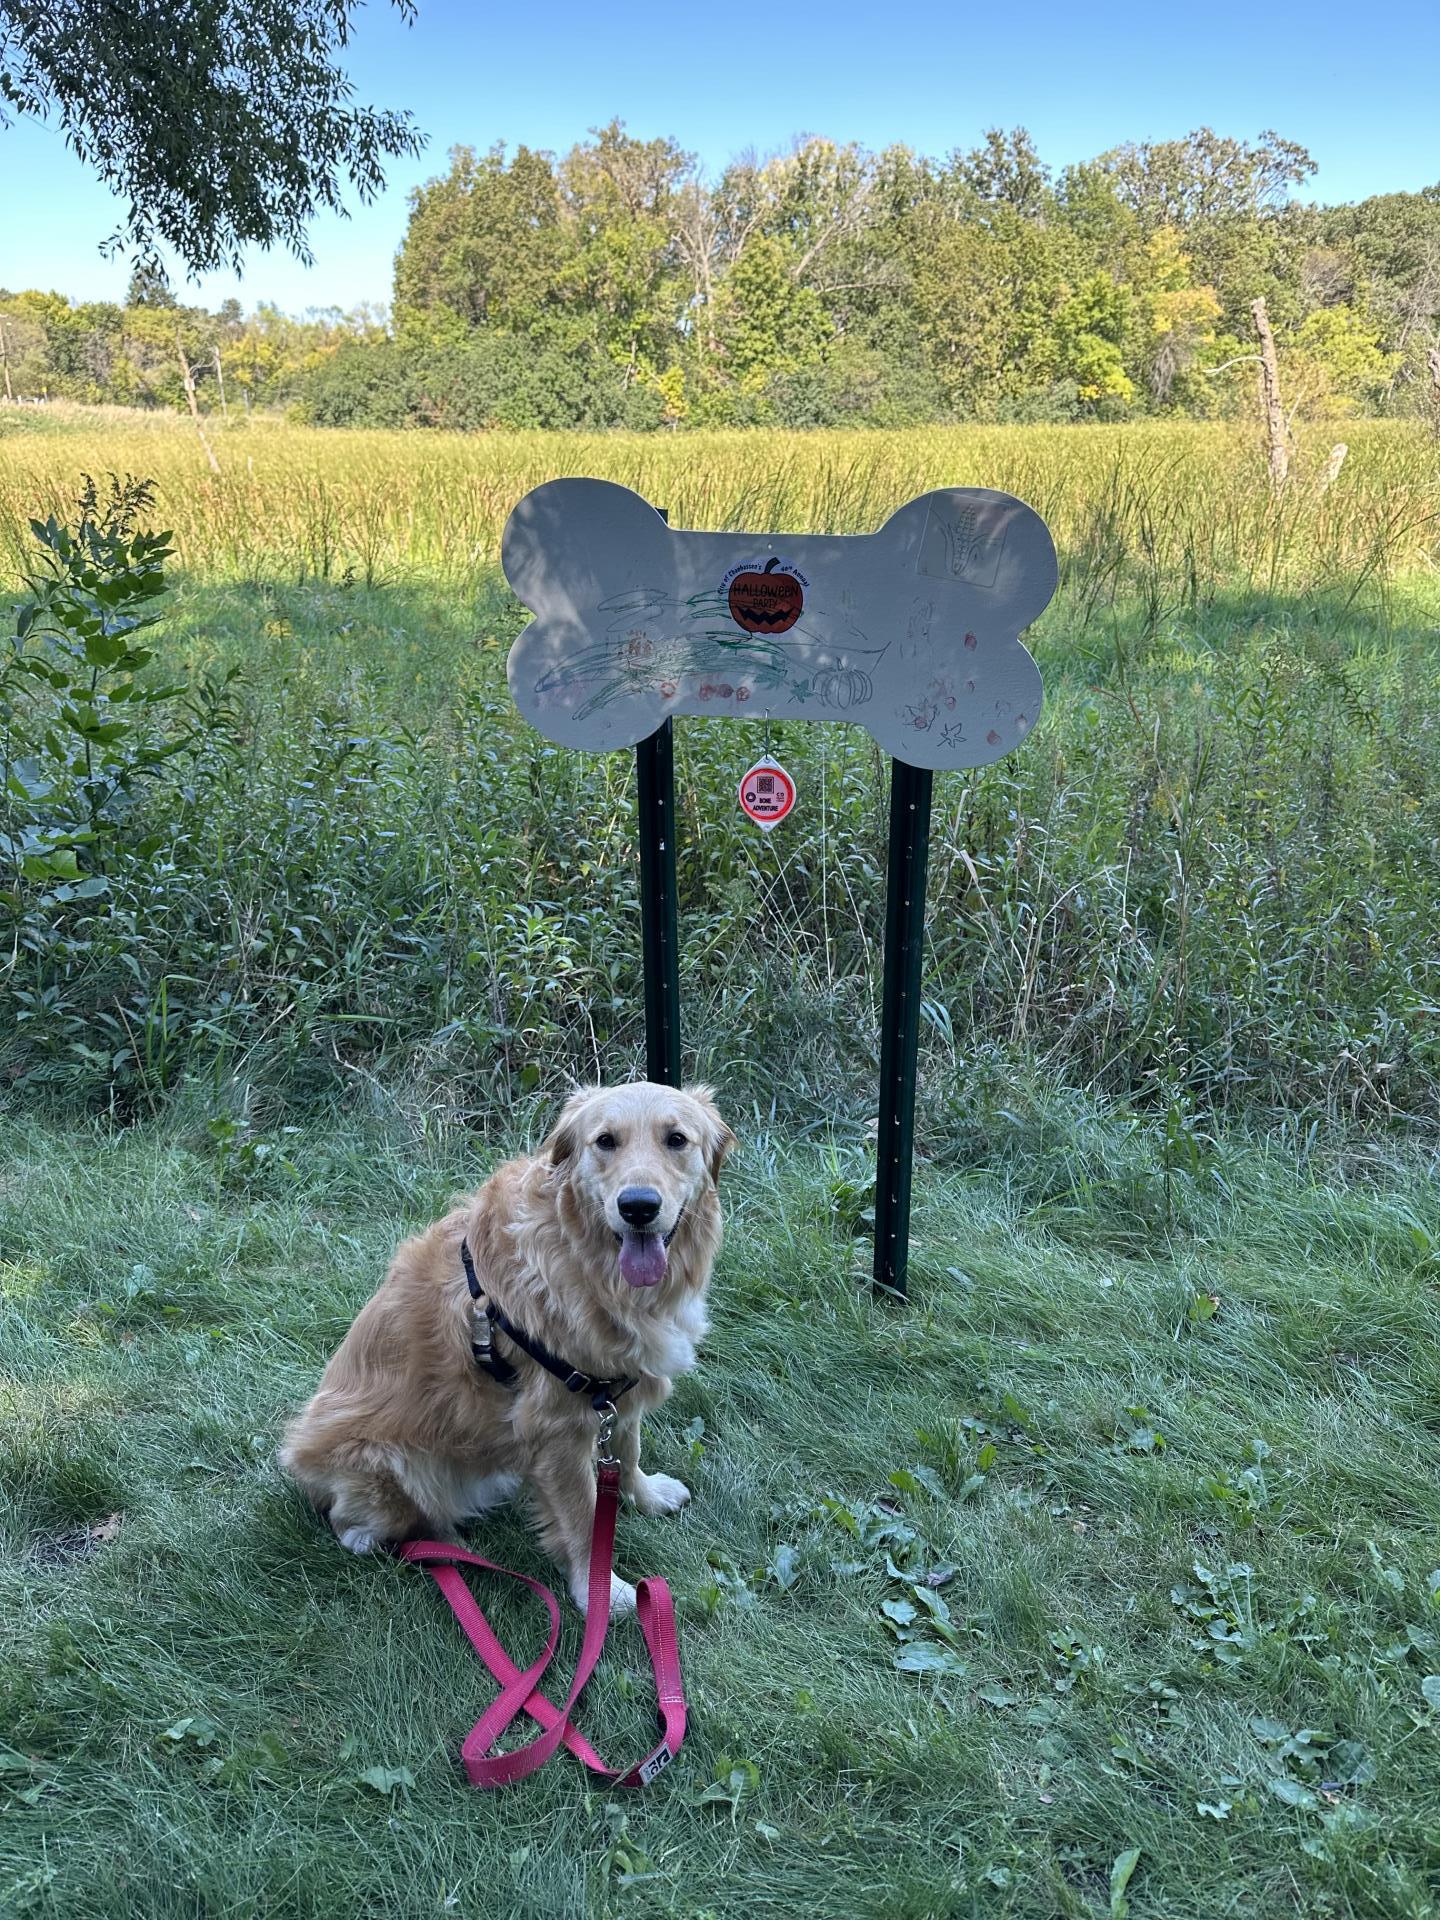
x: 638, y: 1205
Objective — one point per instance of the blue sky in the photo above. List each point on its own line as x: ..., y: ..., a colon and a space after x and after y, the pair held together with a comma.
x: 752, y: 75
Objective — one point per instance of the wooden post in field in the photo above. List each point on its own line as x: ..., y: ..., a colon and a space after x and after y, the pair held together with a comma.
x: 1270, y: 394
x: 1432, y: 361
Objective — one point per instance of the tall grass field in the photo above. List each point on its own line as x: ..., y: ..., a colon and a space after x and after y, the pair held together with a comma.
x: 1102, y: 1581
x: 1208, y: 881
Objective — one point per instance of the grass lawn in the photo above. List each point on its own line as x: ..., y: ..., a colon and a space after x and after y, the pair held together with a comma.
x: 1144, y: 1485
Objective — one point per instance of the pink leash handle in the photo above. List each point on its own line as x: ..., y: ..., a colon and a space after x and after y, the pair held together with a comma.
x: 520, y: 1690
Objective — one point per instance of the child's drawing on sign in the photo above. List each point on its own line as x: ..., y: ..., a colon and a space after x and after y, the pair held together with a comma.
x: 705, y: 655
x: 916, y: 643
x: 940, y: 698
x: 914, y: 630
x: 961, y: 546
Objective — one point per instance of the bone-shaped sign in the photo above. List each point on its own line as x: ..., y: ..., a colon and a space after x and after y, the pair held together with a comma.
x: 914, y: 631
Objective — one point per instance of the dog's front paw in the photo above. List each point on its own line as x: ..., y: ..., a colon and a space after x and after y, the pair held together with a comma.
x: 358, y: 1539
x: 658, y: 1493
x: 622, y: 1594
x: 622, y: 1597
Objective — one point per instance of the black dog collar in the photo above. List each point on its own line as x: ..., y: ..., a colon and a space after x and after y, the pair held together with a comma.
x: 602, y: 1392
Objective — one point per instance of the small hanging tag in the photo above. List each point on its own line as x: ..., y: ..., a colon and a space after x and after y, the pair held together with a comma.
x: 767, y: 793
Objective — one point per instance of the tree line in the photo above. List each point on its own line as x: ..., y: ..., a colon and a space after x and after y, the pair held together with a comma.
x: 829, y: 285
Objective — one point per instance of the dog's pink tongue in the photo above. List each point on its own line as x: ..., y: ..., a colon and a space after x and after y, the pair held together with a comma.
x: 642, y: 1259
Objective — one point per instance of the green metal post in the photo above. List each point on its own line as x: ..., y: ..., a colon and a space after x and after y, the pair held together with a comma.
x: 659, y: 913
x: 900, y: 1019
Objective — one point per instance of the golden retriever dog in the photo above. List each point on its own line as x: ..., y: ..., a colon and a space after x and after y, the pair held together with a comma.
x: 598, y: 1249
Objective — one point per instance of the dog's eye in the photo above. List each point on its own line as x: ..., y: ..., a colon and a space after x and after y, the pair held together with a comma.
x: 676, y: 1139
x: 605, y: 1142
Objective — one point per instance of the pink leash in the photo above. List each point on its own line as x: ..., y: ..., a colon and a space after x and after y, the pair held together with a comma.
x: 520, y: 1692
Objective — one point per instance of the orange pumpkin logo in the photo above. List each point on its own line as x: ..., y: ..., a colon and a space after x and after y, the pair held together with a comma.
x: 767, y: 602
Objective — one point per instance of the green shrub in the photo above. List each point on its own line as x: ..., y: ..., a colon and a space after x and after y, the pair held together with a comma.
x: 492, y: 379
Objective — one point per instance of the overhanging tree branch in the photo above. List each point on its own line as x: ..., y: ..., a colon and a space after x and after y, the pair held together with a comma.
x: 222, y: 123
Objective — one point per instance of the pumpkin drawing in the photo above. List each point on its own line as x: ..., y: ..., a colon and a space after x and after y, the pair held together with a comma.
x: 842, y: 687
x: 767, y: 602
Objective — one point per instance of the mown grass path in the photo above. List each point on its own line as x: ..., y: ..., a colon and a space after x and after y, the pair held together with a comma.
x: 1142, y: 1498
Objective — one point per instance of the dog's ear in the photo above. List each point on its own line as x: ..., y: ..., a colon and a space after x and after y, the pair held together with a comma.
x: 719, y: 1140
x: 564, y: 1138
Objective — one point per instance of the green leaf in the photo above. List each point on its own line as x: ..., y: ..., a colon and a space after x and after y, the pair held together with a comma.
x: 842, y: 1515
x: 59, y: 865
x: 1347, y: 1764
x: 1270, y: 1732
x: 1430, y: 1687
x: 103, y: 650
x: 784, y: 1568
x: 27, y: 780
x: 1137, y: 1433
x: 924, y: 1658
x: 918, y: 1480
x: 386, y: 1779
x: 995, y: 1695
x: 901, y: 1612
x: 267, y: 1758
x: 734, y: 1780
x: 1292, y: 1793
x: 933, y: 1603
x: 1120, y: 1875
x: 195, y: 1731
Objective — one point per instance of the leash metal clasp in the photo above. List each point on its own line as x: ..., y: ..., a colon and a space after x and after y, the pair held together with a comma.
x: 605, y: 1455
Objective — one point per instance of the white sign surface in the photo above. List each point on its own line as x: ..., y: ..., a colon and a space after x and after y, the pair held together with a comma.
x: 913, y: 631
